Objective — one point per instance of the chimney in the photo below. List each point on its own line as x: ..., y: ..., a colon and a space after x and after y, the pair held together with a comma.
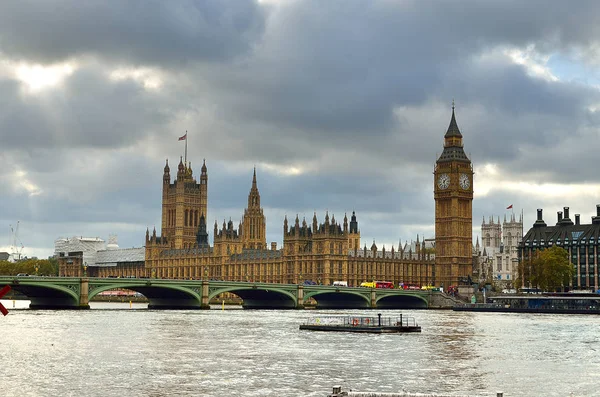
x: 274, y: 246
x: 577, y: 219
x: 566, y: 209
x: 540, y: 222
x: 596, y: 219
x: 560, y: 218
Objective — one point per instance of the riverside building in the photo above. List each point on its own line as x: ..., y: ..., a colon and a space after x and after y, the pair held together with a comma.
x: 319, y: 252
x: 582, y: 241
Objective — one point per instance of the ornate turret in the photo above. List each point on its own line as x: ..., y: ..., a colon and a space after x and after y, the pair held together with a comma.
x: 353, y: 223
x: 345, y: 223
x: 167, y: 174
x: 354, y: 235
x: 204, y: 178
x: 254, y: 222
x: 453, y: 145
x: 202, y: 235
x: 180, y: 169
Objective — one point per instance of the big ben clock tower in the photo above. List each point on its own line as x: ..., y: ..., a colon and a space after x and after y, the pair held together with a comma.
x: 453, y: 195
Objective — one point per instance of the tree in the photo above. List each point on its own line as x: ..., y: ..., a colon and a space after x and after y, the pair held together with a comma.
x: 46, y: 267
x: 547, y: 269
x: 556, y: 269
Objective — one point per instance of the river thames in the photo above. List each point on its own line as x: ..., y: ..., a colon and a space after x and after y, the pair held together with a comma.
x: 115, y: 350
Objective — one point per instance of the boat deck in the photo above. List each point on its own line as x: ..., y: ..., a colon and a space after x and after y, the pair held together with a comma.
x: 362, y: 324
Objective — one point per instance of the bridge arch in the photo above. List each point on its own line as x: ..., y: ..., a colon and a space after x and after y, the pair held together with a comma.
x: 403, y: 301
x: 340, y: 298
x: 159, y: 295
x: 259, y: 297
x: 50, y: 296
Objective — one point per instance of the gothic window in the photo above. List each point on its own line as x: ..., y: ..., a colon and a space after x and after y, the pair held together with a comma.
x: 185, y: 219
x: 196, y: 218
x: 487, y: 239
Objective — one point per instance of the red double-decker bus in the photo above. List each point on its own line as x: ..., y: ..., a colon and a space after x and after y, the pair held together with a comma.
x: 384, y: 284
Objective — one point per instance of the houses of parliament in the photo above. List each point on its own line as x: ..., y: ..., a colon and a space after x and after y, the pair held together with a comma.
x: 317, y: 251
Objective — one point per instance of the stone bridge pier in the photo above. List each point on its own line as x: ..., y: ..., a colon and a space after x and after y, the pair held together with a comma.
x: 84, y: 290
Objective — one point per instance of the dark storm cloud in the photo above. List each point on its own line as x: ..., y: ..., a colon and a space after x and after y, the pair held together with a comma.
x: 136, y: 32
x: 333, y: 74
x: 356, y: 95
x: 90, y: 110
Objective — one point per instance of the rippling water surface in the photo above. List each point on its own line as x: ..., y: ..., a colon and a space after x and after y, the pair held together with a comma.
x: 115, y: 350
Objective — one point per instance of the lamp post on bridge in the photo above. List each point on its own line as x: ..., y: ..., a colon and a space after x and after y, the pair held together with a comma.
x: 205, y: 272
x: 84, y: 269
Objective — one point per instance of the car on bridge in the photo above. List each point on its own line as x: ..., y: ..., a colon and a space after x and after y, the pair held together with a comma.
x: 340, y: 283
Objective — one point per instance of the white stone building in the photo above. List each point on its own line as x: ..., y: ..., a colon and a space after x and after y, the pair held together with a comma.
x: 497, y: 256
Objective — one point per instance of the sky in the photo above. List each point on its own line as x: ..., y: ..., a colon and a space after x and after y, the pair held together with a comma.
x: 340, y: 105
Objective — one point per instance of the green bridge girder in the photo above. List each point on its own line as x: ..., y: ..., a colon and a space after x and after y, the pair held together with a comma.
x: 75, y: 293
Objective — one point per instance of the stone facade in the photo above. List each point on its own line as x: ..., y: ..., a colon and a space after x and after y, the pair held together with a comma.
x: 453, y: 195
x: 498, y: 254
x: 317, y: 253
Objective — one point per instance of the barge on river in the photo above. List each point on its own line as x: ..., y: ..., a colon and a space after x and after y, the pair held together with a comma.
x: 550, y: 303
x: 373, y: 325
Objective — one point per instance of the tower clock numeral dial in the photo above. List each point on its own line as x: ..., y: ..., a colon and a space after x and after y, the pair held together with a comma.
x: 464, y: 181
x: 443, y: 181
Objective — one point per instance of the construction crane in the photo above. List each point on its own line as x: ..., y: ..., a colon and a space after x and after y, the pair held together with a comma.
x: 16, y: 246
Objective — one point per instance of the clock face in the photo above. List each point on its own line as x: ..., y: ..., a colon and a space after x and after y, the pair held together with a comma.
x: 464, y: 181
x: 443, y: 181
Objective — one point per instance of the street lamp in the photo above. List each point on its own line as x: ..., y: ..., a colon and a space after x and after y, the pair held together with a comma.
x: 205, y: 272
x: 37, y: 266
x: 84, y: 269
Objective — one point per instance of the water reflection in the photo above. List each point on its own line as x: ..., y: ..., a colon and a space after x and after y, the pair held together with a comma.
x: 114, y: 350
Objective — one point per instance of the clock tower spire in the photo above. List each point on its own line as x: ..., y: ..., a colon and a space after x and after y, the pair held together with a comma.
x: 453, y: 195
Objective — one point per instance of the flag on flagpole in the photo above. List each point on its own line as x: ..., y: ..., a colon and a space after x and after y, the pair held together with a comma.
x: 509, y: 207
x: 183, y: 138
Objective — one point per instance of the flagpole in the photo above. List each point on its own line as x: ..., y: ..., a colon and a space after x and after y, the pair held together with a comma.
x: 186, y: 139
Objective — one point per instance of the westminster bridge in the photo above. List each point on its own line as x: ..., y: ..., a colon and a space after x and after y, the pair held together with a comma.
x: 75, y: 293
